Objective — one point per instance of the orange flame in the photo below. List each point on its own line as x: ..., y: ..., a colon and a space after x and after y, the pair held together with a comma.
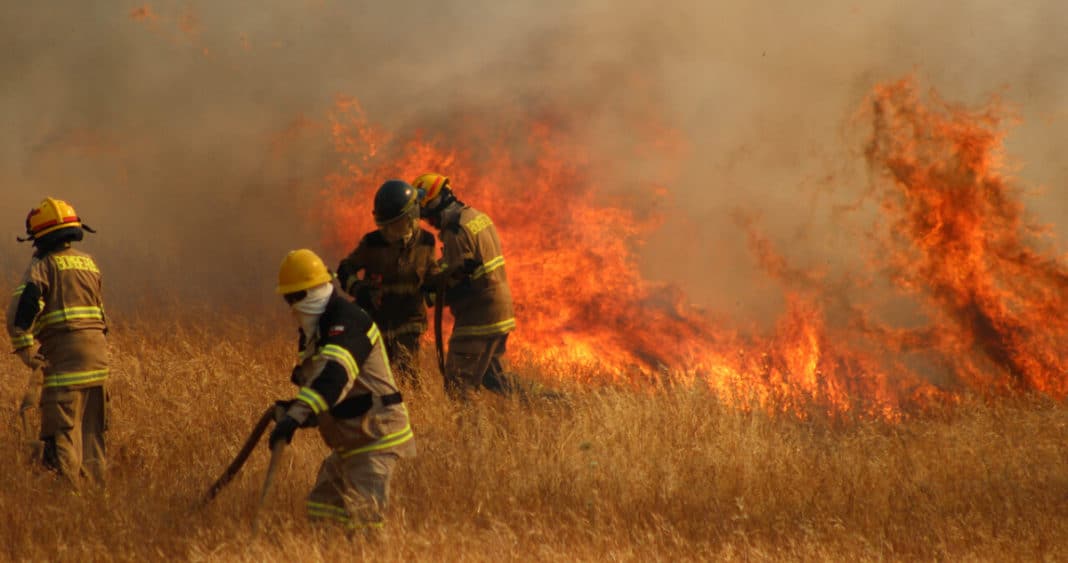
x: 957, y: 248
x: 964, y: 245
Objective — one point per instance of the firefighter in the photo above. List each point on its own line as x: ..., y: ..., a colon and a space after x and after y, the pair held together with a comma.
x: 57, y: 325
x: 395, y: 260
x: 347, y: 390
x: 477, y: 294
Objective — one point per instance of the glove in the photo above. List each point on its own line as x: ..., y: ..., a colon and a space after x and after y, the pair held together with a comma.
x: 28, y: 357
x: 368, y: 296
x: 346, y: 274
x: 281, y: 410
x: 470, y: 265
x: 283, y: 430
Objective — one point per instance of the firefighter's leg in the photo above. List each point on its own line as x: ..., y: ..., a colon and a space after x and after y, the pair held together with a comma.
x: 368, y: 477
x: 94, y: 423
x: 326, y: 502
x: 494, y: 378
x: 465, y: 363
x: 61, y: 430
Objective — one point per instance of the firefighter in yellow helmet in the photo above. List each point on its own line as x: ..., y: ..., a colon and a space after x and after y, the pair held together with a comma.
x: 57, y: 325
x: 395, y: 260
x: 346, y: 388
x: 477, y: 294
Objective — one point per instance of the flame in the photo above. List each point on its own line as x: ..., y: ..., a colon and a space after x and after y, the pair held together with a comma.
x: 964, y: 245
x: 954, y: 238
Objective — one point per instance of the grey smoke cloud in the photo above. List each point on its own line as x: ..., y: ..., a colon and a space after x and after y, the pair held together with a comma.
x: 180, y: 137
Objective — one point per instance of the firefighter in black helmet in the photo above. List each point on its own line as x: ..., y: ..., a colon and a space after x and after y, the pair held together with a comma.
x: 386, y: 270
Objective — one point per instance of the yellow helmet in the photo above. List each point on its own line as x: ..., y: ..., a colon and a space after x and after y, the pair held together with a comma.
x: 51, y: 215
x: 430, y: 185
x: 301, y: 269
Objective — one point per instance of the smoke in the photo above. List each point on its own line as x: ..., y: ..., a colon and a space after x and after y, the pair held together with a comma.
x: 193, y: 135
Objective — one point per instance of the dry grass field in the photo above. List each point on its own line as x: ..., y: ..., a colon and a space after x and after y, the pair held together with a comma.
x: 613, y: 474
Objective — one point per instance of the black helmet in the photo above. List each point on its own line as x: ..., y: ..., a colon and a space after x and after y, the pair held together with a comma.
x: 393, y: 200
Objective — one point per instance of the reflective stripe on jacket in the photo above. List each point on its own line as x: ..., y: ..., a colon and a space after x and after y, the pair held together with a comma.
x: 342, y: 376
x: 481, y: 304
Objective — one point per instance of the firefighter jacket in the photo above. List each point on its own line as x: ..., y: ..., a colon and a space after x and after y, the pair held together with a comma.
x: 347, y: 386
x: 392, y: 277
x: 59, y: 304
x: 479, y: 297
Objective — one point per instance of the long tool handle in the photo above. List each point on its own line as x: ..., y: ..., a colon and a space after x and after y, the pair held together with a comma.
x: 242, y: 456
x: 276, y: 454
x: 439, y: 338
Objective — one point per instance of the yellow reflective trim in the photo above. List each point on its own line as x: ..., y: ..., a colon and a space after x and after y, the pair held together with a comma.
x: 328, y: 508
x: 488, y: 267
x: 485, y: 330
x: 22, y: 341
x: 76, y: 263
x: 373, y: 335
x: 313, y: 399
x: 76, y: 378
x: 70, y: 314
x: 314, y: 513
x: 329, y: 512
x: 387, y: 441
x: 478, y: 224
x: 18, y: 290
x: 341, y: 356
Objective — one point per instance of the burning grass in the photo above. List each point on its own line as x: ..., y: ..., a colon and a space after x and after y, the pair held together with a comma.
x: 953, y: 243
x: 666, y: 473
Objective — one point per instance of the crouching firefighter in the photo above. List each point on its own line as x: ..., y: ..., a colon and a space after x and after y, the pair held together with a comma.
x: 395, y: 261
x: 348, y: 391
x: 57, y: 325
x: 476, y: 290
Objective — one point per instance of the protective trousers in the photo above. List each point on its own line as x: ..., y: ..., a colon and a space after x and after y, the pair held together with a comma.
x: 473, y: 363
x: 353, y: 491
x: 73, y: 422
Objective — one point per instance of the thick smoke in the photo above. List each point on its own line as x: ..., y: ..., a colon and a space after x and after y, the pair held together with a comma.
x: 193, y: 134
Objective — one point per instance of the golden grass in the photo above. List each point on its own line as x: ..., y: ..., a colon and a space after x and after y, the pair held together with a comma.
x: 615, y: 474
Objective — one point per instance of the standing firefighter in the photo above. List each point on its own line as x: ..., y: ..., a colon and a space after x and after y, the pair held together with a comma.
x: 472, y: 270
x: 347, y: 390
x: 395, y: 260
x: 60, y: 306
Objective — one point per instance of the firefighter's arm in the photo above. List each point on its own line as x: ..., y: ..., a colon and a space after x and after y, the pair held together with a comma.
x: 22, y: 312
x: 350, y: 266
x: 25, y: 305
x: 334, y: 375
x: 316, y: 397
x: 103, y: 310
x: 450, y: 276
x: 458, y: 262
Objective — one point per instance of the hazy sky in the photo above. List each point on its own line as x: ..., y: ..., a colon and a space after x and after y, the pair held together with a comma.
x: 165, y: 122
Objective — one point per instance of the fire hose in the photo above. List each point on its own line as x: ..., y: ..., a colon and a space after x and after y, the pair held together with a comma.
x: 439, y: 338
x: 466, y: 269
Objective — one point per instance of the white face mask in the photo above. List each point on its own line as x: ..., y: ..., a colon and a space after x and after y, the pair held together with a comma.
x: 308, y: 310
